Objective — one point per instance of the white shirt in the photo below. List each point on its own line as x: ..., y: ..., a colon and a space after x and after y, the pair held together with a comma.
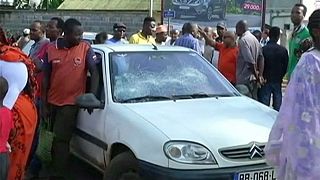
x: 264, y: 42
x: 16, y: 74
x: 202, y: 43
x: 168, y: 42
x: 208, y: 52
x: 215, y: 58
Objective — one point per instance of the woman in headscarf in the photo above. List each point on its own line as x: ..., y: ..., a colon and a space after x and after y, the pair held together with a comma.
x: 18, y: 69
x: 294, y: 142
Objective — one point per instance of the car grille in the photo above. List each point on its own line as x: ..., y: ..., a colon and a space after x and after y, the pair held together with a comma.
x: 244, y: 152
x: 187, y: 2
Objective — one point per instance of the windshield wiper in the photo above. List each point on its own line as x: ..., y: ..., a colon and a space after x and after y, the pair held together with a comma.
x: 200, y: 95
x: 173, y: 97
x: 146, y: 98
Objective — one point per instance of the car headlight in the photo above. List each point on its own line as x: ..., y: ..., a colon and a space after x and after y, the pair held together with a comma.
x: 188, y: 152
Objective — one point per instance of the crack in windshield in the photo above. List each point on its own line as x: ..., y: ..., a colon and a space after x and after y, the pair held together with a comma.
x: 150, y: 76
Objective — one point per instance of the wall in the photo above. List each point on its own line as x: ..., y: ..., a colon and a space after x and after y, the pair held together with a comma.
x: 278, y: 12
x: 92, y: 21
x: 311, y: 6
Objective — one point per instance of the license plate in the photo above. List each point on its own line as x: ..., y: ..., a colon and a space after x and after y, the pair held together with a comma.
x: 267, y: 174
x: 184, y: 7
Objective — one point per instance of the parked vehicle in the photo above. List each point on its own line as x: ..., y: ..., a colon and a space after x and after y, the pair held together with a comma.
x: 200, y: 8
x: 166, y: 113
x: 6, y: 2
x: 90, y: 37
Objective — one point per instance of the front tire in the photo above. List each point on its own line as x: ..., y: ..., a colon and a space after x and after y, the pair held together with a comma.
x: 122, y: 166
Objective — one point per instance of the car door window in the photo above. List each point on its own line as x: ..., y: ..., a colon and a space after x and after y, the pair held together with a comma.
x: 100, y: 93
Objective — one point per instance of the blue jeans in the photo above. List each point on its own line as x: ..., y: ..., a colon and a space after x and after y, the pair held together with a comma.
x: 269, y: 89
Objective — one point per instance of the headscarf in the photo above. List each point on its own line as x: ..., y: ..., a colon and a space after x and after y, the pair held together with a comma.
x: 16, y: 55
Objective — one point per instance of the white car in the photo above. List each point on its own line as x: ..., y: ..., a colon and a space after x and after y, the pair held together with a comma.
x: 90, y: 37
x: 166, y: 113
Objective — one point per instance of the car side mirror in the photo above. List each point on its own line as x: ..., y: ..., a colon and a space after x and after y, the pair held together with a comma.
x: 89, y: 101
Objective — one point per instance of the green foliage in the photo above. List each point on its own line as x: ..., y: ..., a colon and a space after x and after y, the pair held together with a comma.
x: 233, y: 7
x: 234, y: 10
x: 51, y: 4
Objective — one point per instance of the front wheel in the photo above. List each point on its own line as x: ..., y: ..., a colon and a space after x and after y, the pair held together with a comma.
x: 123, y: 166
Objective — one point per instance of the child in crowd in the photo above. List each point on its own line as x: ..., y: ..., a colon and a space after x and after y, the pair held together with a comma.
x: 6, y: 124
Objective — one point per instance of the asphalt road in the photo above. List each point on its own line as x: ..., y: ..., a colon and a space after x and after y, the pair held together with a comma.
x: 79, y: 169
x: 82, y: 171
x: 231, y: 20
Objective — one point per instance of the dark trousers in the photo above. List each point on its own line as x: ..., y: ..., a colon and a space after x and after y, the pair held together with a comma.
x: 34, y: 163
x: 4, y: 165
x: 64, y: 120
x: 269, y: 89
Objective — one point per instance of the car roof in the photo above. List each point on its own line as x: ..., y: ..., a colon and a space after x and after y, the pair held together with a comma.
x: 89, y: 35
x: 92, y: 35
x: 139, y: 48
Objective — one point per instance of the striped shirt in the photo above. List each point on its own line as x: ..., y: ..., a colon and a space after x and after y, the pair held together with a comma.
x: 188, y: 41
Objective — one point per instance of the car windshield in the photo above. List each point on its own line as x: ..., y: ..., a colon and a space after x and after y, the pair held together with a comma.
x: 158, y: 76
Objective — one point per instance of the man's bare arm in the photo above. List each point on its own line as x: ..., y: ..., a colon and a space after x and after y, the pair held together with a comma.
x: 208, y: 40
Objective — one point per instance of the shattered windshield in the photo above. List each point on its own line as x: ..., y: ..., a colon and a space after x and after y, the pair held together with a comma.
x: 158, y: 76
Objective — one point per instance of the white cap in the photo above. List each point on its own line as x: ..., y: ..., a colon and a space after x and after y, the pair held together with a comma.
x: 26, y: 31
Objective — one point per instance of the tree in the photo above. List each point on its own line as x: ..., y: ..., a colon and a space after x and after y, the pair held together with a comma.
x: 51, y: 4
x: 45, y: 4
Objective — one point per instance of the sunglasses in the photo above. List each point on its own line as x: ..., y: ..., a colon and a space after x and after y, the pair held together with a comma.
x: 153, y: 25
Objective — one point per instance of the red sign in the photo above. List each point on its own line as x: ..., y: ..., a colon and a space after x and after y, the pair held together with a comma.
x: 252, y: 6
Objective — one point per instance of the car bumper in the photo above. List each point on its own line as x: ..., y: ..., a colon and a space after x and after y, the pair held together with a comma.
x: 151, y: 171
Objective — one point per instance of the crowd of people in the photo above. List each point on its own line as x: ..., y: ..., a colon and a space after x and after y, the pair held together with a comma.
x: 37, y: 86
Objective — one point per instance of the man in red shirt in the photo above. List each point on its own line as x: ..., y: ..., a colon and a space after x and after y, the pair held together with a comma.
x: 68, y: 60
x: 6, y: 124
x: 54, y: 30
x: 228, y: 53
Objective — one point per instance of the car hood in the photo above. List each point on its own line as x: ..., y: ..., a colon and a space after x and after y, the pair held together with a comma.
x: 215, y: 122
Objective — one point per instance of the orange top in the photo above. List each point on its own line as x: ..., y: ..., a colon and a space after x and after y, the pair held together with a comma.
x: 68, y: 73
x: 227, y: 61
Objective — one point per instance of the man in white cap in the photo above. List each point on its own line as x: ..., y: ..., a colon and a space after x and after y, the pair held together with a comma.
x: 119, y: 31
x: 24, y: 39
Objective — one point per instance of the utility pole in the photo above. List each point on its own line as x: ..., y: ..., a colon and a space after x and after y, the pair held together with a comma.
x: 264, y: 9
x: 162, y: 10
x: 151, y: 8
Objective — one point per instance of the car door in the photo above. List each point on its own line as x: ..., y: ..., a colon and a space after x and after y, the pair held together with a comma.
x: 89, y: 138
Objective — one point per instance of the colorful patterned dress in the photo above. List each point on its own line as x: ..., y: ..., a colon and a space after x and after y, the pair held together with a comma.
x: 294, y: 142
